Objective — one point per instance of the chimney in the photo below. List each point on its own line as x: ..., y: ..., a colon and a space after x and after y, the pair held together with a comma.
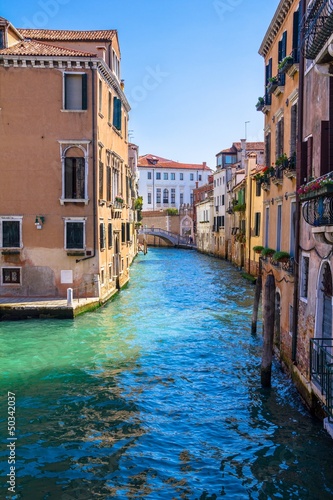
x: 204, y: 164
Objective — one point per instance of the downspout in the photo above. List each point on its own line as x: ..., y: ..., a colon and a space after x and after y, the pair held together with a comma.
x: 299, y: 161
x: 94, y: 141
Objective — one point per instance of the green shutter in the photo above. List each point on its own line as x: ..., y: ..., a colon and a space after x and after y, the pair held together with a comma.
x: 296, y: 37
x: 84, y: 91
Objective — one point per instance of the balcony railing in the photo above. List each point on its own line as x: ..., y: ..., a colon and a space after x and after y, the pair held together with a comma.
x: 318, y: 27
x: 319, y: 211
x: 321, y: 370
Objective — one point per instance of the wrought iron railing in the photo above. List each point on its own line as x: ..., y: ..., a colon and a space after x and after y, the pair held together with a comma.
x: 321, y: 370
x: 319, y: 211
x: 318, y: 27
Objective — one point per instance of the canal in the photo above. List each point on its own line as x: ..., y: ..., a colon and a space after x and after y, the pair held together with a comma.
x: 157, y: 396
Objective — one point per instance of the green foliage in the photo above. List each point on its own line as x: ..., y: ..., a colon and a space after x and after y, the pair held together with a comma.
x: 280, y: 255
x: 172, y: 211
x: 258, y: 248
x: 267, y: 251
x: 138, y: 204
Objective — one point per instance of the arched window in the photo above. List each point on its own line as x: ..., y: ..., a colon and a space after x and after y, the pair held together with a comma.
x: 74, y: 164
x: 165, y: 196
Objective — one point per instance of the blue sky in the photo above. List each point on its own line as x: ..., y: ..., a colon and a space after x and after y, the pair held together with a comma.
x: 191, y: 67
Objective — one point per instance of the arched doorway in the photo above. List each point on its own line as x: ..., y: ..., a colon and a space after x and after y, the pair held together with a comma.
x: 186, y: 226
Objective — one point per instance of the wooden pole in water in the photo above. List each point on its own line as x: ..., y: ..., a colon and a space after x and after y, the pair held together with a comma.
x: 269, y: 320
x: 257, y: 295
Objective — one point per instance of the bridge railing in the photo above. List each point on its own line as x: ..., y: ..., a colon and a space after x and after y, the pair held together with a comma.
x: 177, y: 239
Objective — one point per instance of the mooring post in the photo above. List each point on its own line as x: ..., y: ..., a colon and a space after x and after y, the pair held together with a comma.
x: 269, y: 320
x: 257, y: 295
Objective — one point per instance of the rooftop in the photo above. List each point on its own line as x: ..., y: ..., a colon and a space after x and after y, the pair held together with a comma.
x: 68, y: 35
x: 159, y: 162
x: 33, y: 48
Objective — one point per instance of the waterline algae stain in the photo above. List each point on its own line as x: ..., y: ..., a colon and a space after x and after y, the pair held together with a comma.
x: 157, y: 396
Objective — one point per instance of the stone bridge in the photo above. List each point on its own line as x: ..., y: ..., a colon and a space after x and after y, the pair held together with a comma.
x: 175, y: 239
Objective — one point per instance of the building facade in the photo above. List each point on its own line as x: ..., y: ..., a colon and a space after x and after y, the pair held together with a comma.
x: 67, y: 190
x: 167, y: 184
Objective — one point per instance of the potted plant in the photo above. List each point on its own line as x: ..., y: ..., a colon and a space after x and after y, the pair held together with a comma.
x: 281, y: 256
x: 260, y: 104
x: 258, y: 248
x: 272, y: 84
x: 285, y: 64
x: 266, y: 252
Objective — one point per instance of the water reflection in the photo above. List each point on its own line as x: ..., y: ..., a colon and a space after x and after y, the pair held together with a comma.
x: 157, y: 396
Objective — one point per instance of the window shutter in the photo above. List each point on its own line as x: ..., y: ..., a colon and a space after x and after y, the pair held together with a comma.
x: 284, y: 44
x: 123, y: 232
x: 280, y: 57
x: 110, y: 234
x: 101, y: 236
x: 117, y: 113
x: 296, y: 32
x: 84, y: 91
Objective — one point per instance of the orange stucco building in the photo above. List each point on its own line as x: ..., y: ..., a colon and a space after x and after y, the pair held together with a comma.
x: 67, y: 189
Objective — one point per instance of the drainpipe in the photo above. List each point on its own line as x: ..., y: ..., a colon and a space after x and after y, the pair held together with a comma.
x: 298, y: 183
x: 94, y: 141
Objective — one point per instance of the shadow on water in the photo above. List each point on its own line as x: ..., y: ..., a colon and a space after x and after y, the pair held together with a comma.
x: 157, y: 396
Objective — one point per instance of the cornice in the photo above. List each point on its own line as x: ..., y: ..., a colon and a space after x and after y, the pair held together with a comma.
x: 275, y: 25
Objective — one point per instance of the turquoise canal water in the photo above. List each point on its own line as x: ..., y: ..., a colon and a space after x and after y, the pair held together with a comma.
x: 157, y: 396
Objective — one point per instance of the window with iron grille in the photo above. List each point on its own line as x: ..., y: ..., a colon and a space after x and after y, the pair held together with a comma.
x: 11, y: 275
x: 305, y: 276
x: 101, y: 235
x: 74, y: 234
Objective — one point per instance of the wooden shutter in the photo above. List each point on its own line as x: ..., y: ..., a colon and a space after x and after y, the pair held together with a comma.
x: 101, y: 236
x: 296, y: 32
x: 324, y: 148
x: 109, y: 234
x: 84, y: 91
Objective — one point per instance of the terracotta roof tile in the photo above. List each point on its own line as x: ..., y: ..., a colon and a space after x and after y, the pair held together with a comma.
x: 67, y: 35
x: 148, y: 161
x: 32, y: 48
x: 250, y: 146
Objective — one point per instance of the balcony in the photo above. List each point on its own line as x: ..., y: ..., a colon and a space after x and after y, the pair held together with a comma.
x: 318, y: 27
x: 321, y: 370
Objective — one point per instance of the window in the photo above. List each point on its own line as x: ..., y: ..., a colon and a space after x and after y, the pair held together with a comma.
x: 109, y: 234
x: 158, y: 176
x: 296, y: 32
x: 101, y: 236
x: 230, y: 159
x: 279, y: 138
x: 108, y: 184
x: 11, y: 275
x: 291, y: 319
x: 222, y: 200
x: 102, y: 276
x: 2, y: 39
x: 268, y: 149
x: 293, y: 129
x: 267, y: 227
x: 258, y: 188
x: 181, y: 176
x: 158, y: 195
x: 128, y: 231
x: 123, y: 232
x: 101, y: 180
x: 268, y: 75
x: 75, y: 98
x: 74, y: 235
x: 278, y: 227
x: 149, y: 198
x: 173, y: 176
x: 173, y: 196
x: 149, y: 175
x: 109, y: 107
x: 100, y: 96
x: 304, y: 277
x: 74, y: 178
x: 181, y: 198
x: 165, y: 196
x: 165, y: 176
x: 10, y: 233
x: 257, y: 221
x: 110, y: 272
x: 191, y: 198
x: 117, y: 113
x: 282, y: 52
x: 191, y: 177
x: 200, y: 177
x: 292, y: 228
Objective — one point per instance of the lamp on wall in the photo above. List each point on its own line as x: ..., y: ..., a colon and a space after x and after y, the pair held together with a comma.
x: 39, y: 221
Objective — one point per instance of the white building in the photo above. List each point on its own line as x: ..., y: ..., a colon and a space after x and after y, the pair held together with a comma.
x: 169, y: 184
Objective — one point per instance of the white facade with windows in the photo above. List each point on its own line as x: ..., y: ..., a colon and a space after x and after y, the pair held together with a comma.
x: 168, y: 184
